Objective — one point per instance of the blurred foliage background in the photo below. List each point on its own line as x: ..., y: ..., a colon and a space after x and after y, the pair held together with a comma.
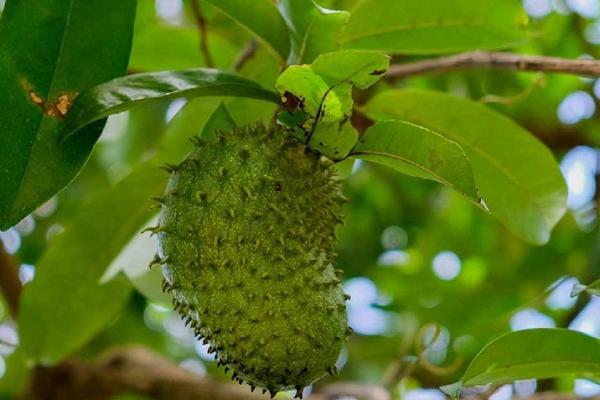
x: 420, y: 262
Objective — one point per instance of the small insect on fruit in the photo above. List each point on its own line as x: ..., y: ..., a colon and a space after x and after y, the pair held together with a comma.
x: 247, y: 245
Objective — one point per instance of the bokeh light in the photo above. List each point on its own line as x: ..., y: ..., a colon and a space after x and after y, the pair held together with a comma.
x: 585, y: 8
x: 560, y: 296
x: 356, y: 166
x: 11, y: 240
x: 437, y: 349
x: 362, y: 316
x: 424, y: 394
x: 194, y: 366
x: 169, y: 10
x: 585, y: 388
x: 47, y: 209
x: 531, y: 319
x: 9, y: 338
x: 579, y: 167
x: 175, y: 106
x: 588, y: 320
x: 592, y: 35
x: 525, y: 388
x: 202, y: 351
x: 392, y: 258
x: 537, y: 8
x: 576, y: 107
x: 26, y: 273
x: 394, y: 237
x: 26, y: 226
x: 504, y: 392
x: 446, y: 265
x: 362, y: 291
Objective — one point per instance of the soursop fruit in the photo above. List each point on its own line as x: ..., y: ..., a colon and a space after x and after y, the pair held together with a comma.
x: 247, y: 246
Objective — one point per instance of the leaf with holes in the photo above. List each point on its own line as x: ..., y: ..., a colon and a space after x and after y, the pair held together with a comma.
x: 318, y: 98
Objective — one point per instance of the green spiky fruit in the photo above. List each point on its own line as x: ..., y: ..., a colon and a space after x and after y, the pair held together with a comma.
x: 246, y: 239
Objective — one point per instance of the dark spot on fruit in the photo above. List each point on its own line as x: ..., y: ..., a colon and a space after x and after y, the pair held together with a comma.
x: 278, y: 187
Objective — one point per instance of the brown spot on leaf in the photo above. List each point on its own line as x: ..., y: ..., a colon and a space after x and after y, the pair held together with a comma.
x: 32, y: 95
x: 60, y: 106
x: 378, y: 72
x: 36, y: 98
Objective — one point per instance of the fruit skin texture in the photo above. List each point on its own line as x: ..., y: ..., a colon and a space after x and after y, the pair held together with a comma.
x: 246, y: 240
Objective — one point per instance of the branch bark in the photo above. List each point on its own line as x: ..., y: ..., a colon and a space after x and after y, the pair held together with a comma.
x: 496, y: 60
x: 136, y: 370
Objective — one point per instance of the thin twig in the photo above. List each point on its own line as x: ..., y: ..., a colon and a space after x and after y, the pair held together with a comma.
x: 10, y: 284
x: 201, y: 24
x: 248, y: 52
x: 496, y: 60
x: 539, y: 81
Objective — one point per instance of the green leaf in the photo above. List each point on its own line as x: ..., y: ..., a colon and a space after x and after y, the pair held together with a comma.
x: 359, y: 68
x: 124, y: 93
x: 323, y: 91
x: 592, y: 288
x: 262, y: 68
x: 51, y: 51
x: 440, y: 26
x: 66, y: 300
x: 178, y: 48
x: 189, y: 121
x: 535, y: 354
x: 517, y: 176
x: 261, y: 18
x: 419, y: 152
x: 220, y: 119
x: 315, y: 30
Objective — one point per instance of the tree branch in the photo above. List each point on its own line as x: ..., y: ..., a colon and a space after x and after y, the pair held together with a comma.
x: 136, y: 370
x: 496, y: 60
x: 10, y: 284
x: 201, y: 24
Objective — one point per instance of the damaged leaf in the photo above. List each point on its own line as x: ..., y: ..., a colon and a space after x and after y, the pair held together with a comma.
x: 50, y: 52
x: 123, y: 93
x: 322, y: 92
